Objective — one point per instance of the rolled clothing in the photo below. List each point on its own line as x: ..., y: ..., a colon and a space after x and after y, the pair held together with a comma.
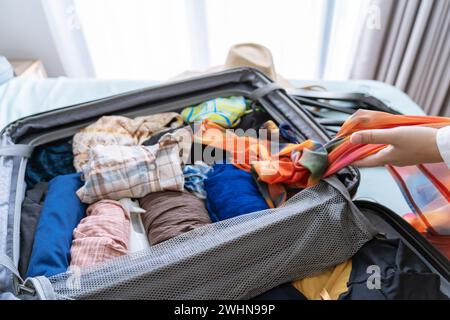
x: 231, y: 192
x: 171, y: 213
x: 194, y: 178
x: 288, y: 133
x: 102, y: 235
x: 226, y: 112
x: 117, y: 172
x: 154, y: 139
x: 122, y: 131
x: 196, y: 149
x: 61, y: 213
x: 31, y: 210
x: 49, y: 161
x: 254, y: 119
x: 282, y: 134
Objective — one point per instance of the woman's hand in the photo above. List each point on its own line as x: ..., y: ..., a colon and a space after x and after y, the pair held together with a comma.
x: 406, y: 146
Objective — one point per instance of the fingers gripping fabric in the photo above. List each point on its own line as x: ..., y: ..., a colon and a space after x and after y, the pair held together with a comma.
x: 237, y: 258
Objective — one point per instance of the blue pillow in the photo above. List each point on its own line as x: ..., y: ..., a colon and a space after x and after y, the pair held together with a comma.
x: 231, y: 192
x: 60, y: 215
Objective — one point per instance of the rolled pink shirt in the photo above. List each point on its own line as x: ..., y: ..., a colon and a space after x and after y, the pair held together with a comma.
x: 102, y: 235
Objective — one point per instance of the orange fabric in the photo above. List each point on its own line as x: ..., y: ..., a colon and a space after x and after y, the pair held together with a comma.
x: 367, y: 120
x: 303, y: 165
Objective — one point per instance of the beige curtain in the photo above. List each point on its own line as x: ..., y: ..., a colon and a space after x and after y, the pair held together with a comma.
x: 406, y: 43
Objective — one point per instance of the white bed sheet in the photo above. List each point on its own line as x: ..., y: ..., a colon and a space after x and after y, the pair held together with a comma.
x: 22, y: 97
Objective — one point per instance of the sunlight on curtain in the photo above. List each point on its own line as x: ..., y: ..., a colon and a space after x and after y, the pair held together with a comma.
x: 136, y: 39
x: 348, y: 19
x: 289, y: 28
x: 159, y: 39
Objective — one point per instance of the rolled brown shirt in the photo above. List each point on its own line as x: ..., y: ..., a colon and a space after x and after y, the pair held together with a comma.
x: 171, y: 213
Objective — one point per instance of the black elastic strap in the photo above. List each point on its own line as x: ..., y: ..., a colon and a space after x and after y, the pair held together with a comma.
x: 263, y: 91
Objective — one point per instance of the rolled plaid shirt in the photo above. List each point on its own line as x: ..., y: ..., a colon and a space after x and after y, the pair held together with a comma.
x: 118, y: 130
x: 116, y: 172
x: 102, y: 235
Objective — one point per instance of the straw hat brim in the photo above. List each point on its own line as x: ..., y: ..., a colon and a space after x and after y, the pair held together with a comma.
x: 283, y: 82
x: 251, y: 55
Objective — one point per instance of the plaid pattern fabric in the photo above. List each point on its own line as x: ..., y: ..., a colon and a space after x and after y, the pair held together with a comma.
x: 116, y: 172
x: 118, y: 130
x: 102, y: 235
x: 183, y: 138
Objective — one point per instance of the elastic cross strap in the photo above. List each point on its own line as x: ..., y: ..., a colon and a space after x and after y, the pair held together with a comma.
x: 263, y: 91
x: 6, y: 262
x: 16, y: 150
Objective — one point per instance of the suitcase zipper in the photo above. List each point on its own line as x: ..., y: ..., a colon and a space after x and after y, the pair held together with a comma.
x: 22, y: 288
x: 18, y: 283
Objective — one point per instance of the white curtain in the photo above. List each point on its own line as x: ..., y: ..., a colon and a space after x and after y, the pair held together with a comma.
x: 406, y: 43
x: 159, y: 39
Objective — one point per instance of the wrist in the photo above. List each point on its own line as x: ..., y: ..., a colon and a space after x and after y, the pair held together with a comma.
x: 442, y: 142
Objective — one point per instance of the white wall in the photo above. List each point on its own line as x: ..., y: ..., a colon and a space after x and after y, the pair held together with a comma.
x: 25, y: 33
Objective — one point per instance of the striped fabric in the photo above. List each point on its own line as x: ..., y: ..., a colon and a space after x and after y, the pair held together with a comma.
x: 118, y: 130
x: 116, y: 172
x: 194, y: 177
x: 224, y: 111
x: 102, y: 235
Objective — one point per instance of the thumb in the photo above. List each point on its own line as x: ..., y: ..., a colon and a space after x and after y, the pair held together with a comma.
x: 380, y: 158
x: 381, y: 136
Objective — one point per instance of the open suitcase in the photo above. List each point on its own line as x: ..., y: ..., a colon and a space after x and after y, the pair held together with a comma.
x: 239, y: 258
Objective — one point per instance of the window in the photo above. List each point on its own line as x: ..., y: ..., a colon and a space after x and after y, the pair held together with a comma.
x: 159, y: 39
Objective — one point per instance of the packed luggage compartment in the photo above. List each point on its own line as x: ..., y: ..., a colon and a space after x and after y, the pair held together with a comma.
x: 145, y: 205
